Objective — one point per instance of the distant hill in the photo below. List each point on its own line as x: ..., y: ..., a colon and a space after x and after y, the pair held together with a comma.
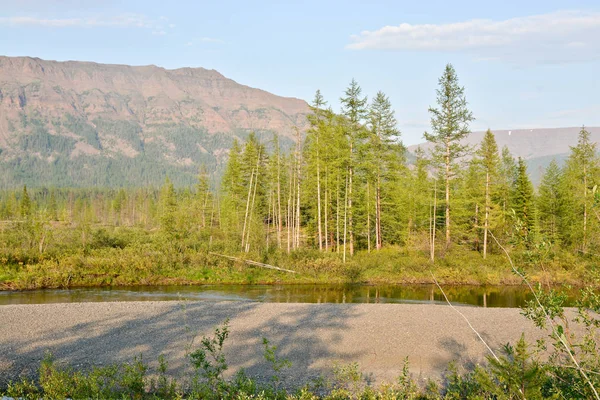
x: 81, y: 123
x: 87, y: 124
x: 537, y: 146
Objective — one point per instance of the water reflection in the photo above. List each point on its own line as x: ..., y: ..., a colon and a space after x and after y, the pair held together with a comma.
x: 494, y: 296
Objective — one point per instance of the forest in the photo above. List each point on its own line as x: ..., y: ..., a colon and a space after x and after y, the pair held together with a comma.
x: 341, y: 205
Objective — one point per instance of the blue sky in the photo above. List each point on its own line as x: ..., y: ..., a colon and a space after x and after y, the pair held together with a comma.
x: 524, y: 64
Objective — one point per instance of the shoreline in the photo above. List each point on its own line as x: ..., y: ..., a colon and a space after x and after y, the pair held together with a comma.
x: 312, y: 336
x: 509, y: 283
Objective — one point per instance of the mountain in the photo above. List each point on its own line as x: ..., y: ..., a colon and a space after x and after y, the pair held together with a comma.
x: 537, y: 146
x: 82, y: 123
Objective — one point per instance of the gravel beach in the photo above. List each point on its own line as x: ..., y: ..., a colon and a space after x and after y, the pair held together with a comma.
x: 313, y: 336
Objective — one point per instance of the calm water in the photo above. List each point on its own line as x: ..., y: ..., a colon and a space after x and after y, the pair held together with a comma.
x: 495, y: 296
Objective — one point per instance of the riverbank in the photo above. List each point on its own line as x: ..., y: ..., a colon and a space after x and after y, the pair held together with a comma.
x: 144, y: 266
x: 314, y: 337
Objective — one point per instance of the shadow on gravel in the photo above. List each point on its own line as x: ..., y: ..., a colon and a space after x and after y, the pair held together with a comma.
x: 303, y: 334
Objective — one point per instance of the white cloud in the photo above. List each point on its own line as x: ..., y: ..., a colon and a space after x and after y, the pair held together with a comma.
x: 204, y: 40
x: 558, y: 37
x: 118, y: 21
x: 574, y: 114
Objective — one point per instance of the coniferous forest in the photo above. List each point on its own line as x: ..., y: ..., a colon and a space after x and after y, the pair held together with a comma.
x: 344, y: 204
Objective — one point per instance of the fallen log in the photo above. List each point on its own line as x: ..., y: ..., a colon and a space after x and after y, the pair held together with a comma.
x: 255, y: 263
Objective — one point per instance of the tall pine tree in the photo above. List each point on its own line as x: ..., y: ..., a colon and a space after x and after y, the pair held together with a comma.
x: 450, y: 125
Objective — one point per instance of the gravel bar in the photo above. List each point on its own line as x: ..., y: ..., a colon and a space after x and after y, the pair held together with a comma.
x: 314, y: 337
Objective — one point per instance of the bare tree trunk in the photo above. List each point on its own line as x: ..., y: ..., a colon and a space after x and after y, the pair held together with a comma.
x: 289, y: 216
x: 319, y: 196
x: 211, y: 222
x: 378, y: 215
x: 279, y: 227
x: 337, y: 218
x: 350, y: 221
x: 298, y: 166
x: 345, y: 218
x: 247, y: 209
x: 269, y: 218
x: 476, y: 226
x: 584, y: 246
x: 447, y: 194
x: 433, y: 221
x: 368, y: 218
x: 252, y: 206
x: 487, y: 213
x: 429, y: 233
x: 326, y: 216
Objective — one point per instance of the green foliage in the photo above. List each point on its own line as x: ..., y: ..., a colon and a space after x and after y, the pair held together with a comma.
x: 450, y: 124
x: 209, y: 361
x: 549, y: 202
x: 515, y: 375
x: 522, y: 204
x: 277, y: 364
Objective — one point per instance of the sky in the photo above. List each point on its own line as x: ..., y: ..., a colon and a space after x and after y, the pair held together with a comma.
x: 524, y: 64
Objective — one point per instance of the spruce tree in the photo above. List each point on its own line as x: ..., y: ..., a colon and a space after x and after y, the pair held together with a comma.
x: 522, y: 202
x: 490, y: 160
x: 314, y: 142
x: 354, y: 108
x: 450, y: 125
x: 581, y: 175
x: 506, y: 180
x: 385, y: 151
x: 25, y: 203
x: 168, y: 208
x: 549, y: 201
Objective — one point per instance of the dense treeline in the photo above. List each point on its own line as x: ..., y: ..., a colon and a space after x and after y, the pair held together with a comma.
x: 344, y: 188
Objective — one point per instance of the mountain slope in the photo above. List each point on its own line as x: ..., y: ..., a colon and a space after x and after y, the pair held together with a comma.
x: 81, y: 123
x: 537, y: 146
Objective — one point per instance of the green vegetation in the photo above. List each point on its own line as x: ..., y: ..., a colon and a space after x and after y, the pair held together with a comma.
x: 342, y: 205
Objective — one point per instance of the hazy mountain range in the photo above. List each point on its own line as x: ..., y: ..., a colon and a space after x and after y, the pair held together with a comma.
x: 537, y: 146
x: 82, y: 124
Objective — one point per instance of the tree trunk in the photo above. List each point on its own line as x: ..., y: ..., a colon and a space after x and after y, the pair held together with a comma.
x: 447, y: 194
x: 433, y: 222
x: 252, y: 206
x: 289, y: 209
x: 345, y: 218
x: 319, y: 197
x: 279, y: 227
x: 247, y: 209
x: 299, y: 164
x: 368, y: 218
x: 487, y: 213
x: 476, y: 226
x: 350, y: 220
x: 337, y: 215
x: 378, y: 215
x: 584, y: 246
x: 326, y: 216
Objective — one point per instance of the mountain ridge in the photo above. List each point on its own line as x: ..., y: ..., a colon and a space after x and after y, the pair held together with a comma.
x: 83, y: 114
x: 536, y: 146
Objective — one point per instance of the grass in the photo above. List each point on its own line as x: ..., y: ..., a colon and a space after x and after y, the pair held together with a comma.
x: 134, y: 256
